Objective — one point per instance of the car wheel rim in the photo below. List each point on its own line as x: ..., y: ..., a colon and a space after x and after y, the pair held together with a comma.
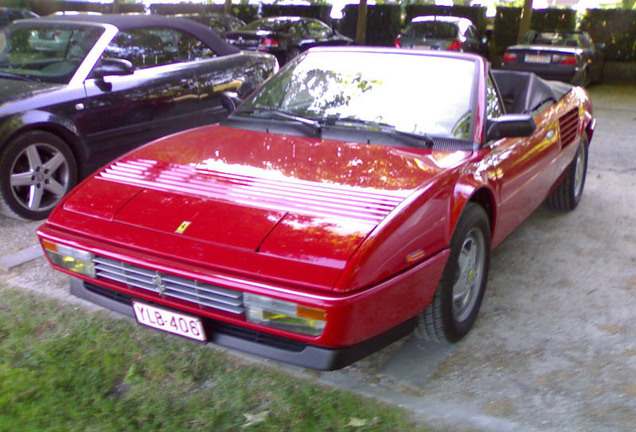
x: 579, y: 170
x: 39, y: 177
x: 470, y: 263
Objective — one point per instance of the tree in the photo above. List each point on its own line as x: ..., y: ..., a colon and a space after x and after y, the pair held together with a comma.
x: 361, y: 32
x: 228, y: 7
x: 526, y: 19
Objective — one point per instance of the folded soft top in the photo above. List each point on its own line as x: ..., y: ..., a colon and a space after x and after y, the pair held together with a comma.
x: 523, y: 92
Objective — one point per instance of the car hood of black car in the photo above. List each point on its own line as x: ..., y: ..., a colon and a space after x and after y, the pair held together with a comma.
x: 14, y: 93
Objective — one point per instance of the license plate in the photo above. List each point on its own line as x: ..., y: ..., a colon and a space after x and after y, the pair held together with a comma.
x: 533, y: 58
x: 423, y: 47
x: 168, y: 321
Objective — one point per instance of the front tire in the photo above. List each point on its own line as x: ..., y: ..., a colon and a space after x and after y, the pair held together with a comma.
x: 569, y: 192
x: 36, y: 170
x: 455, y: 305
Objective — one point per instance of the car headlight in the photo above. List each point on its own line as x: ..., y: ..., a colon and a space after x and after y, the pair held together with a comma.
x: 284, y: 315
x: 70, y: 258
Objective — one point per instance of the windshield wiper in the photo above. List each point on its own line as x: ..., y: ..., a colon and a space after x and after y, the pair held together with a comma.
x: 10, y: 75
x: 415, y: 139
x: 313, y: 124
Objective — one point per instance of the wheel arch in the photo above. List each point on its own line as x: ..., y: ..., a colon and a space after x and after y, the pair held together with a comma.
x: 46, y: 122
x: 478, y: 193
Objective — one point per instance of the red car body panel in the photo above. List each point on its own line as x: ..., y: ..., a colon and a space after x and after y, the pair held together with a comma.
x: 361, y: 231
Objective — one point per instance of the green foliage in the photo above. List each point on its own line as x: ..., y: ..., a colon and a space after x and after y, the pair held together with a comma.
x: 64, y: 370
x: 384, y: 22
x: 321, y: 12
x: 616, y: 28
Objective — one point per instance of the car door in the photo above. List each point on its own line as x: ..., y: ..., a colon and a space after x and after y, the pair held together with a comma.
x: 523, y: 166
x: 159, y: 98
x: 214, y: 74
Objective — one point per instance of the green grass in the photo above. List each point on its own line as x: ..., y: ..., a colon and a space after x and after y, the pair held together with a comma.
x: 63, y: 369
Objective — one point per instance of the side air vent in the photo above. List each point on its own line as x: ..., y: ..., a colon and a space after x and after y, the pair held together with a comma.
x: 569, y: 127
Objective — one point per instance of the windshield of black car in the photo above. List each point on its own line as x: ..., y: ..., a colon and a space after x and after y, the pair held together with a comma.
x: 276, y: 25
x: 45, y: 52
x: 411, y: 93
x: 432, y: 29
x: 552, y: 38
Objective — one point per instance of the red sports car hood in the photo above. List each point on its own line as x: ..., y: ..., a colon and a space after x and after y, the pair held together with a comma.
x: 300, y: 199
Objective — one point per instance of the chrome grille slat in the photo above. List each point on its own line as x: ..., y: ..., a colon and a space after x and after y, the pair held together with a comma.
x: 199, y: 293
x: 127, y: 281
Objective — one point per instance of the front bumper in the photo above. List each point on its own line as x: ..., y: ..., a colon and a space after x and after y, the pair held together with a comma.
x: 255, y: 342
x: 357, y: 323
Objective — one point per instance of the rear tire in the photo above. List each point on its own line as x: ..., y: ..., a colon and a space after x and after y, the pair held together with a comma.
x: 36, y: 170
x: 455, y: 305
x: 569, y: 191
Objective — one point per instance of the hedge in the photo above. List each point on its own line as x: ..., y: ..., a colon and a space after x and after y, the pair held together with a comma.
x: 48, y: 7
x: 616, y: 28
x: 321, y: 12
x: 384, y: 23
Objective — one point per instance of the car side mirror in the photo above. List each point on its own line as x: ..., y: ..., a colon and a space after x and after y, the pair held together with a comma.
x: 510, y: 126
x: 113, y: 67
x: 230, y: 100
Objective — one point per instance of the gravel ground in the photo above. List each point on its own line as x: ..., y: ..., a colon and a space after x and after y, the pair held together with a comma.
x: 554, y: 348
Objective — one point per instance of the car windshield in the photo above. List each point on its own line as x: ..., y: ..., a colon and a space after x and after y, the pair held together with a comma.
x: 44, y: 52
x: 276, y: 25
x: 436, y: 29
x: 411, y: 93
x: 552, y: 38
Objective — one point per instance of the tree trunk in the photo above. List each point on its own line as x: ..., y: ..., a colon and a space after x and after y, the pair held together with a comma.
x: 361, y: 32
x: 228, y: 7
x: 115, y: 6
x: 526, y: 19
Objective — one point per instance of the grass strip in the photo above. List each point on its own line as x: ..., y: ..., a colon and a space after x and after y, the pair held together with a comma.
x: 65, y: 369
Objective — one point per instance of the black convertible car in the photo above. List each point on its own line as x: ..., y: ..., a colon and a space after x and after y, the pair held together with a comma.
x: 564, y: 56
x: 77, y: 91
x: 285, y: 36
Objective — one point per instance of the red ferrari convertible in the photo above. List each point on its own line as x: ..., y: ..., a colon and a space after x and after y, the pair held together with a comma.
x: 353, y: 198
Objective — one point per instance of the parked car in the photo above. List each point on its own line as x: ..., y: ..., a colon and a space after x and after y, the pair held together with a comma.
x: 77, y: 91
x: 339, y: 208
x: 8, y: 15
x: 221, y: 24
x: 285, y: 36
x: 450, y: 33
x: 565, y: 56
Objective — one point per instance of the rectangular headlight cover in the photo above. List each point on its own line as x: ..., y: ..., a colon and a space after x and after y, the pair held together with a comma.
x: 70, y: 258
x: 284, y: 315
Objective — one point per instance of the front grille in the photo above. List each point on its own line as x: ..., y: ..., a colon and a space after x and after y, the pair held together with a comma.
x: 569, y: 126
x: 168, y: 286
